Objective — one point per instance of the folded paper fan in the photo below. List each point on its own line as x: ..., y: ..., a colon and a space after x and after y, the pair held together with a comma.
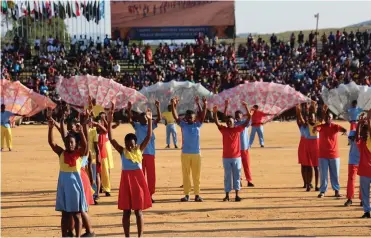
x: 163, y: 92
x: 364, y: 97
x: 21, y: 100
x: 339, y: 99
x: 271, y: 98
x: 76, y: 91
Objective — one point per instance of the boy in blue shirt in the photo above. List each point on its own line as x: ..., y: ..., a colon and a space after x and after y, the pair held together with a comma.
x: 191, y: 154
x: 148, y: 163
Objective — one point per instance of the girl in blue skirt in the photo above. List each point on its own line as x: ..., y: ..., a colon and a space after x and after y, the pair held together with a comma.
x: 70, y: 191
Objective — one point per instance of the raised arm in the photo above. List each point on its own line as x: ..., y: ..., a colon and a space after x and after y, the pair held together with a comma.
x: 199, y: 108
x: 83, y: 142
x: 299, y: 117
x: 226, y: 109
x: 117, y: 124
x: 100, y: 127
x: 248, y: 114
x: 204, y: 109
x: 323, y: 114
x: 216, y: 120
x: 57, y: 149
x: 114, y: 143
x: 158, y: 119
x: 173, y: 110
x: 130, y: 116
x: 149, y: 130
x: 359, y: 125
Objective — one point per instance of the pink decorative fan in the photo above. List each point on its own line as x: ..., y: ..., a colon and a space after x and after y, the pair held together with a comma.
x: 19, y: 99
x: 271, y: 98
x: 76, y: 91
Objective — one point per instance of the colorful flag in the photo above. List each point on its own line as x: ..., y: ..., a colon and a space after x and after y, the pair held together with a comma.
x: 4, y: 7
x: 101, y: 9
x: 62, y: 11
x: 77, y: 8
x: 68, y: 7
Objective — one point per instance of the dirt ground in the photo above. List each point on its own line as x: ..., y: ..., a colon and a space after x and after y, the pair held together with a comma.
x: 277, y: 206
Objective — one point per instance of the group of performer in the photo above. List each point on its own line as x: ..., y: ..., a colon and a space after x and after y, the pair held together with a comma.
x: 86, y: 159
x: 318, y: 150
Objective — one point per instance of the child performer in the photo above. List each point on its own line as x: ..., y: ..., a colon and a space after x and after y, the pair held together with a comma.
x: 352, y: 166
x: 329, y: 154
x: 244, y: 143
x: 110, y: 163
x: 70, y: 191
x: 302, y: 146
x: 149, y: 168
x: 310, y: 158
x: 86, y: 182
x: 364, y: 169
x: 170, y: 127
x: 257, y: 125
x: 191, y: 156
x: 6, y: 132
x: 103, y: 169
x: 93, y: 154
x: 354, y: 113
x: 133, y: 192
x: 231, y: 152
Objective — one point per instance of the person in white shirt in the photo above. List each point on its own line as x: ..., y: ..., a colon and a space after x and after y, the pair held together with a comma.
x: 116, y: 68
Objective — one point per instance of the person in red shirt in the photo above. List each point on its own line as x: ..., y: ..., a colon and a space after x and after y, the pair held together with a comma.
x: 329, y: 154
x: 257, y: 125
x: 231, y: 151
x: 364, y: 168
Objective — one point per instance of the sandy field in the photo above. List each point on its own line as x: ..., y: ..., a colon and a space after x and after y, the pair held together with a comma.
x: 212, y: 14
x: 277, y: 206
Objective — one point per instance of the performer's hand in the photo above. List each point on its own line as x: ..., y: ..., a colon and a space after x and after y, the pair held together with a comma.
x: 245, y: 104
x: 149, y: 114
x: 215, y: 109
x: 226, y: 102
x: 204, y: 100
x: 50, y: 123
x: 157, y: 103
x: 197, y: 99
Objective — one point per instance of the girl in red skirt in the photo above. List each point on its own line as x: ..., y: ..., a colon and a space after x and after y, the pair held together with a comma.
x: 133, y: 193
x: 301, y: 149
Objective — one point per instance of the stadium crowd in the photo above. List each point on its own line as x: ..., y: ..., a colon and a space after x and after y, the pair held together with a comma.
x: 217, y: 66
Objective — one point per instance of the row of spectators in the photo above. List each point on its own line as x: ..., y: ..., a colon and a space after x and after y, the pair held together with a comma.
x: 344, y: 57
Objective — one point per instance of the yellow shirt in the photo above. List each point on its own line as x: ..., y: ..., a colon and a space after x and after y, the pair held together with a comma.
x: 92, y: 139
x: 168, y: 116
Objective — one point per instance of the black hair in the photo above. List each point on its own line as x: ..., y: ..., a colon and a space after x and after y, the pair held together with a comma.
x: 354, y: 102
x: 75, y: 136
x: 101, y: 113
x: 142, y: 114
x: 130, y: 137
x: 190, y: 112
x: 230, y: 117
x: 238, y: 111
x: 256, y: 106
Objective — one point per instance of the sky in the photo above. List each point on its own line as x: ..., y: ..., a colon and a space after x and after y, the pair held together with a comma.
x: 279, y: 16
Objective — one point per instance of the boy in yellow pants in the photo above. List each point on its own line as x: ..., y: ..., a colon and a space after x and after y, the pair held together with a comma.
x: 6, y: 131
x: 191, y: 154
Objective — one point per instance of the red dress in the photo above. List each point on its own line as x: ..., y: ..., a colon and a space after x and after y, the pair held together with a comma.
x: 87, y: 187
x: 133, y: 193
x: 102, y: 139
